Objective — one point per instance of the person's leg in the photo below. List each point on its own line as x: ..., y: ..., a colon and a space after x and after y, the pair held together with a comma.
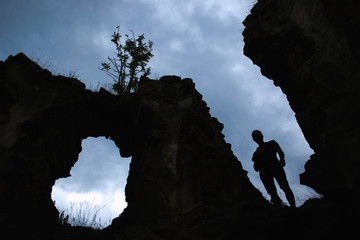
x: 280, y: 177
x: 268, y: 181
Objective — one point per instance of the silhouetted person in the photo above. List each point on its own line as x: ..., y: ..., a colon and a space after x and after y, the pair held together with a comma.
x: 269, y: 167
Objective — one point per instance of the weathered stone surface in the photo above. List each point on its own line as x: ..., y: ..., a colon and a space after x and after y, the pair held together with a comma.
x: 183, y: 175
x: 45, y: 118
x: 184, y: 181
x: 310, y: 49
x: 184, y: 171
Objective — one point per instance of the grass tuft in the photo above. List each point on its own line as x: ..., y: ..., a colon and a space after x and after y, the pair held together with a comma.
x: 83, y: 214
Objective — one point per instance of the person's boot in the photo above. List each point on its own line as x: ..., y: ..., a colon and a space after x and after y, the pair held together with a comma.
x: 276, y: 201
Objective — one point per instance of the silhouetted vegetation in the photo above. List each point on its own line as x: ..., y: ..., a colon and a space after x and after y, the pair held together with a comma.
x: 131, y: 58
x: 83, y: 214
x: 53, y: 68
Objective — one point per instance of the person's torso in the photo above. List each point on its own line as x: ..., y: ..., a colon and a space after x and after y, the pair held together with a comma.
x: 265, y: 155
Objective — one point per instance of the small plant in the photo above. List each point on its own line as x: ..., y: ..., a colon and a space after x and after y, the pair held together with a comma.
x: 131, y: 58
x: 83, y: 214
x: 64, y: 219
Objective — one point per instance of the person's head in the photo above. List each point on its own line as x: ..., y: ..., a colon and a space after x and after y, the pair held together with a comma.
x: 257, y: 136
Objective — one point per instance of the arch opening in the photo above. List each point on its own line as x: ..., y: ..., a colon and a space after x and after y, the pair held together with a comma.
x: 94, y: 194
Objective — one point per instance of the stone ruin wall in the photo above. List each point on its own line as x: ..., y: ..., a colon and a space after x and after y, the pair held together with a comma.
x: 184, y: 181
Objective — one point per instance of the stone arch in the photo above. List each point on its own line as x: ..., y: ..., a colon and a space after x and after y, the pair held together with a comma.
x: 43, y: 121
x: 97, y: 179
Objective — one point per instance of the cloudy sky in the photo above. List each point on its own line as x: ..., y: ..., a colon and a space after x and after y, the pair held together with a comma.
x: 199, y: 39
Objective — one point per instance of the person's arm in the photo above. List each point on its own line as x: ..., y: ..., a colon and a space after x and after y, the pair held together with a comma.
x: 281, y: 155
x: 254, y: 159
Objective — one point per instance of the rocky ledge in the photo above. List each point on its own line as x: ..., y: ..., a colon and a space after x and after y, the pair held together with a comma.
x: 310, y: 49
x: 184, y: 181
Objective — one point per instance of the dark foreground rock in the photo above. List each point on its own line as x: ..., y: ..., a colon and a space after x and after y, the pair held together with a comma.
x: 183, y: 175
x: 310, y: 49
x: 184, y: 181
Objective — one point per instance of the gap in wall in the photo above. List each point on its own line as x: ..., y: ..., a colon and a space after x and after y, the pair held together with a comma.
x: 96, y: 185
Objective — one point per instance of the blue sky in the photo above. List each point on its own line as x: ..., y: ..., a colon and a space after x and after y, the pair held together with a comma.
x: 199, y: 39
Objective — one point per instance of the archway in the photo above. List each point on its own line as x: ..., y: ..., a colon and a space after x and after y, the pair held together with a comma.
x: 96, y: 185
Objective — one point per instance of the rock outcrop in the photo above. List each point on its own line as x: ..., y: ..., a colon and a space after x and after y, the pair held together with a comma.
x: 43, y: 121
x: 183, y: 176
x: 184, y: 181
x: 310, y: 49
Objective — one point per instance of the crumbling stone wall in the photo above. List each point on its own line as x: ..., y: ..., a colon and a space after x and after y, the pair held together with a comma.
x: 44, y: 118
x: 184, y: 181
x: 182, y: 174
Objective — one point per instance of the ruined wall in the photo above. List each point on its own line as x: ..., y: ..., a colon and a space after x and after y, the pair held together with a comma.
x: 44, y: 118
x: 184, y: 181
x: 183, y: 176
x: 310, y: 49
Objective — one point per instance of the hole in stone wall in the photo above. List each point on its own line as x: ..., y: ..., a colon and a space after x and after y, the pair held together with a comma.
x: 94, y: 194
